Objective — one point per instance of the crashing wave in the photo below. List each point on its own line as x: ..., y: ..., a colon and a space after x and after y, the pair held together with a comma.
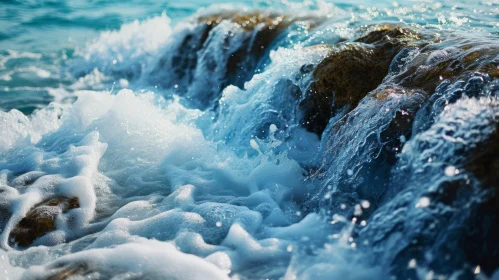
x: 251, y: 145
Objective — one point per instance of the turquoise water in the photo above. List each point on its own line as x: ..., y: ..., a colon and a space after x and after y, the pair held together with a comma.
x: 177, y: 140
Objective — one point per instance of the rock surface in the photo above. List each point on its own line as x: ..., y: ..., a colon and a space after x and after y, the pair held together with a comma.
x: 41, y: 220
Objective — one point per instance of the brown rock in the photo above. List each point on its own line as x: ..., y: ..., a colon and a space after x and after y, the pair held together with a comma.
x: 41, y: 220
x: 67, y: 271
x: 351, y: 71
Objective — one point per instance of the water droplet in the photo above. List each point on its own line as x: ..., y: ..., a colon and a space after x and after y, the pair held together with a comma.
x: 254, y: 145
x: 430, y: 275
x: 366, y: 204
x: 412, y: 264
x: 450, y: 171
x: 423, y: 202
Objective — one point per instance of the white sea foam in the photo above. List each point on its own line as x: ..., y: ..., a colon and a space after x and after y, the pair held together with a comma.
x: 145, y: 259
x: 126, y: 50
x: 141, y: 167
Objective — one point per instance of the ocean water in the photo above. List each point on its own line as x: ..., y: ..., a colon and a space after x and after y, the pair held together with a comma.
x: 164, y: 140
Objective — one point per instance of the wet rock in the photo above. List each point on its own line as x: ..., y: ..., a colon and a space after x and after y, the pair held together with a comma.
x: 41, y: 220
x: 223, y: 49
x: 441, y: 212
x: 351, y: 71
x: 361, y: 146
x: 391, y: 54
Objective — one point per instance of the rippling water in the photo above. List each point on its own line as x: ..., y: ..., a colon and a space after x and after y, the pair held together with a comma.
x: 250, y: 140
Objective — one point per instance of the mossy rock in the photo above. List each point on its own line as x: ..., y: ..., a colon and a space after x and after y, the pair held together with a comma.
x: 352, y: 70
x: 41, y: 219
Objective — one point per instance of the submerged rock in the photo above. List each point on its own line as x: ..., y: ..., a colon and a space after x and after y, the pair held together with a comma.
x: 360, y: 144
x: 70, y: 271
x: 41, y: 219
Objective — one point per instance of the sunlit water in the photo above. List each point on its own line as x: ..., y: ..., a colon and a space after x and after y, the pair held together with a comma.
x: 176, y: 182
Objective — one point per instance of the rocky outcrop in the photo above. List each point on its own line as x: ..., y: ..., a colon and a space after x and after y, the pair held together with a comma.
x: 352, y: 70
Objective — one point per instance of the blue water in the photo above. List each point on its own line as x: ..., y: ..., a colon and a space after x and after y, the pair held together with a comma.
x: 190, y: 152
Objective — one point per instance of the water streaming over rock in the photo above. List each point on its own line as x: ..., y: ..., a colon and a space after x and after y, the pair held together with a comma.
x: 267, y: 141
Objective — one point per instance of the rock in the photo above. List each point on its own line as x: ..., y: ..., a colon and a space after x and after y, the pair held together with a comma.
x: 68, y: 271
x: 351, y: 71
x: 392, y: 54
x: 41, y: 220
